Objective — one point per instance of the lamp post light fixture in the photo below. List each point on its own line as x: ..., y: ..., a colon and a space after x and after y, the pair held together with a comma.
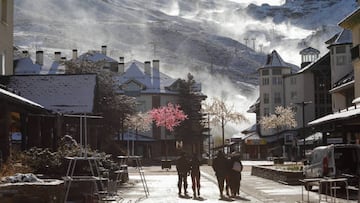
x: 303, y: 104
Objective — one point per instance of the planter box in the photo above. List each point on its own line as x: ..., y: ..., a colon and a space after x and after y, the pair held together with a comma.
x: 165, y: 164
x: 281, y: 176
x: 33, y: 192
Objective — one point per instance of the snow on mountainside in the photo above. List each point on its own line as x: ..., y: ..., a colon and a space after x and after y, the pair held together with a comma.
x: 221, y: 43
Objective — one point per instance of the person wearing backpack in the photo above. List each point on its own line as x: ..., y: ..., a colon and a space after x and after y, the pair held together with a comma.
x: 235, y: 175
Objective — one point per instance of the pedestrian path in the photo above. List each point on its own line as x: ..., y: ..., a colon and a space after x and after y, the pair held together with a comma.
x: 163, y: 189
x: 162, y: 186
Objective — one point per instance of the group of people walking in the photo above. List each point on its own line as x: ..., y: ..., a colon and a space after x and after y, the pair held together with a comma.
x: 185, y: 168
x: 228, y: 174
x: 227, y: 171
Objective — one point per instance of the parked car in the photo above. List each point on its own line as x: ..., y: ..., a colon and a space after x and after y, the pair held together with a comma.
x: 340, y: 160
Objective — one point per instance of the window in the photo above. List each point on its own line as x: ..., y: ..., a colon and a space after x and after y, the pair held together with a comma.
x: 265, y: 72
x: 276, y: 71
x: 276, y: 80
x: 266, y: 112
x: 4, y: 11
x: 140, y: 106
x: 340, y: 49
x: 265, y: 81
x: 266, y: 98
x: 293, y: 95
x: 293, y: 80
x: 340, y: 60
x: 277, y: 98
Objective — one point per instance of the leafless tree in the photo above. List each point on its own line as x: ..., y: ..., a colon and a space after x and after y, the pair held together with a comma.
x: 221, y: 114
x: 283, y: 118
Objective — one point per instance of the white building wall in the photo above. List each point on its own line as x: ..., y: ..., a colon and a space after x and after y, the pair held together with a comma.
x: 356, y: 63
x: 273, y: 86
x: 6, y: 37
x: 340, y: 57
x: 338, y: 101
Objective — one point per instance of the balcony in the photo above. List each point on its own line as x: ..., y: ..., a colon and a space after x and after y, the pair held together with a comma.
x: 355, y: 52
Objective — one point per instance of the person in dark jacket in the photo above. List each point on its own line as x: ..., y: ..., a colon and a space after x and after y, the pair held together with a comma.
x: 220, y: 164
x: 195, y: 175
x: 235, y: 175
x: 183, y: 169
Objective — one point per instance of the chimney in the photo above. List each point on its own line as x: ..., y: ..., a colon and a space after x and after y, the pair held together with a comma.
x: 57, y: 56
x: 39, y: 58
x: 103, y: 50
x: 156, y: 65
x: 74, y: 54
x: 147, y: 67
x: 121, y: 68
x: 25, y: 54
x: 156, y: 74
x: 121, y: 59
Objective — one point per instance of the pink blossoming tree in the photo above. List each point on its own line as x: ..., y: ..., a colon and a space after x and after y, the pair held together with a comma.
x: 168, y: 116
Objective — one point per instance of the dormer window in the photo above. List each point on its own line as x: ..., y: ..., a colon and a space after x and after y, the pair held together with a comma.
x: 132, y: 88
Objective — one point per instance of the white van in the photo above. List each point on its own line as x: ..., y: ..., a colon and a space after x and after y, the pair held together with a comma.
x: 340, y: 160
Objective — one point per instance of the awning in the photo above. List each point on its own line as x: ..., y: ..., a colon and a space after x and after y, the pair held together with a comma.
x: 311, y: 139
x: 254, y: 139
x: 129, y: 136
x: 344, y: 114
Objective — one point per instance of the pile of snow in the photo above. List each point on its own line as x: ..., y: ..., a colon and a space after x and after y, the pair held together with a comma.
x: 21, y: 178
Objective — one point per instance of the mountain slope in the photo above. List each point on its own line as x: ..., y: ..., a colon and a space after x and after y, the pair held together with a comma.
x: 204, y: 37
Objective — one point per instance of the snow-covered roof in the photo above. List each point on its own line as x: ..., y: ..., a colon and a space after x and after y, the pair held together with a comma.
x: 315, y: 63
x: 309, y: 50
x: 344, y: 80
x: 96, y: 56
x: 155, y: 82
x: 311, y: 139
x: 250, y: 129
x: 344, y: 37
x: 344, y: 114
x: 275, y: 60
x: 354, y: 15
x: 60, y: 93
x: 26, y: 66
x: 19, y: 98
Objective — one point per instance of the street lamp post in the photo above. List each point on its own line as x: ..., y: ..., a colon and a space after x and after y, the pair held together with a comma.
x: 303, y: 104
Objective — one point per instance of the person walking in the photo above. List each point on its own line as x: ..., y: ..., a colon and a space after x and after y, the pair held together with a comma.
x: 195, y: 175
x: 183, y: 168
x: 235, y: 175
x: 220, y: 164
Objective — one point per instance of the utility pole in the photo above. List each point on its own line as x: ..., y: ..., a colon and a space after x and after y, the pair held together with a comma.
x: 154, y: 48
x: 261, y: 47
x: 253, y: 39
x: 246, y: 41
